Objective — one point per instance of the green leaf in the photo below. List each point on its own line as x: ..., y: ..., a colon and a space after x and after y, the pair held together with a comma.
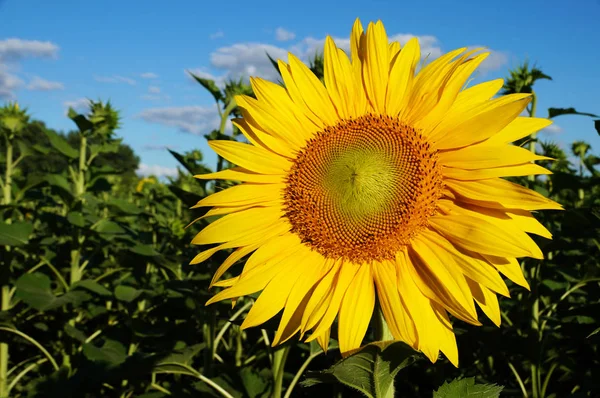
x: 15, y: 234
x: 144, y: 250
x: 59, y: 181
x: 93, y: 287
x: 371, y: 370
x: 554, y: 112
x: 112, y: 352
x: 108, y: 227
x: 76, y: 218
x: 35, y: 290
x: 467, y: 388
x: 124, y: 206
x: 82, y: 123
x: 60, y: 144
x: 127, y: 293
x: 210, y: 86
x: 254, y: 383
x: 75, y: 333
x: 597, y: 126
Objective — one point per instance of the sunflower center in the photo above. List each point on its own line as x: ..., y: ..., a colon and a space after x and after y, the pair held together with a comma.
x: 360, y: 190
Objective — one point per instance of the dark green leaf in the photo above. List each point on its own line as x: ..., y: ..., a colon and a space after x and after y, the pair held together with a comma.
x: 144, y: 250
x: 60, y: 181
x: 76, y: 218
x: 254, y: 384
x: 108, y: 227
x: 554, y: 112
x: 210, y: 86
x: 371, y: 370
x: 467, y: 388
x: 75, y: 333
x: 127, y: 293
x: 35, y: 290
x: 124, y: 206
x: 93, y: 287
x: 112, y: 353
x: 60, y: 144
x: 15, y: 234
x: 82, y: 123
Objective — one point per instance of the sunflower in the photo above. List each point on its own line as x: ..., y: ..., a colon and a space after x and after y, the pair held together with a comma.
x: 382, y: 184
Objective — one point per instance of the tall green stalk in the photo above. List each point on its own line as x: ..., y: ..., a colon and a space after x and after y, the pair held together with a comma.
x: 383, y: 333
x: 6, y: 296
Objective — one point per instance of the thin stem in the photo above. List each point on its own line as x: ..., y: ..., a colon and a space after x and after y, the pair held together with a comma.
x: 519, y: 380
x: 227, y: 324
x: 24, y: 372
x: 34, y: 342
x: 4, y: 347
x: 279, y: 359
x: 299, y: 373
x: 7, y: 188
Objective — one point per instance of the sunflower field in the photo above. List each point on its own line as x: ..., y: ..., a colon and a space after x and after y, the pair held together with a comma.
x: 99, y: 298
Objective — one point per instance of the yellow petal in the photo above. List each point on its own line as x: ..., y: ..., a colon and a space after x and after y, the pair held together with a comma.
x: 446, y: 335
x: 243, y: 194
x: 237, y: 225
x: 343, y: 280
x: 498, y: 114
x: 240, y: 174
x: 473, y: 96
x: 323, y: 339
x: 320, y: 298
x: 231, y: 260
x: 486, y: 300
x: 510, y: 268
x: 251, y: 157
x: 278, y: 102
x: 356, y: 310
x: 260, y: 138
x: 500, y: 194
x: 484, y: 174
x: 481, y: 236
x: 356, y: 43
x: 314, y: 267
x: 517, y: 129
x: 393, y: 304
x: 287, y: 129
x: 339, y: 79
x: 314, y: 94
x: 484, y: 156
x: 256, y: 281
x: 419, y: 309
x: 457, y: 76
x: 401, y: 77
x: 376, y: 66
x: 473, y: 267
x: 441, y: 279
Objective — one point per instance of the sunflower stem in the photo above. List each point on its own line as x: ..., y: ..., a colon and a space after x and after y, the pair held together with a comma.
x: 279, y: 358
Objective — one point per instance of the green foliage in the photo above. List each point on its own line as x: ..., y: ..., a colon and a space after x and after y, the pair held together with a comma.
x: 467, y: 388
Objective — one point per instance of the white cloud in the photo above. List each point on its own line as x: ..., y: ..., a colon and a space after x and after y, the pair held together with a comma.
x: 250, y: 59
x: 192, y: 119
x: 156, y: 170
x: 39, y: 84
x: 284, y: 35
x: 552, y: 129
x: 154, y: 90
x: 115, y: 79
x: 8, y: 83
x: 79, y: 104
x: 494, y: 61
x: 149, y: 75
x: 13, y: 50
x: 217, y: 35
x: 150, y: 97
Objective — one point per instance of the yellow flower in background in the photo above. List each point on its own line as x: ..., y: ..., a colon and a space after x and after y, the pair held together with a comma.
x: 382, y: 184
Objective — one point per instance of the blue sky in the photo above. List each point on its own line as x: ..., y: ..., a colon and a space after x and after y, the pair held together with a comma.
x: 55, y: 53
